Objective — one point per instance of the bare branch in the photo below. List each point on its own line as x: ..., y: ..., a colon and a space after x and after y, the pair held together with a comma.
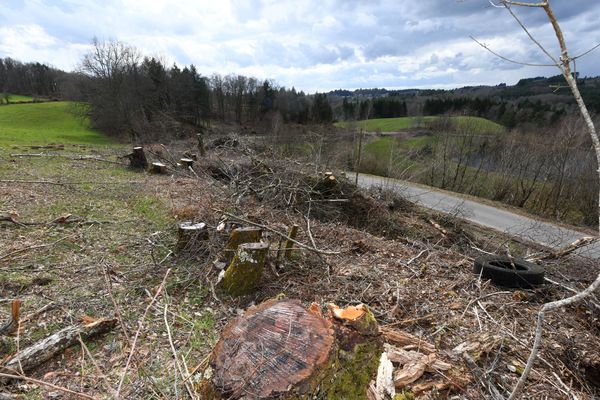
x: 508, y: 59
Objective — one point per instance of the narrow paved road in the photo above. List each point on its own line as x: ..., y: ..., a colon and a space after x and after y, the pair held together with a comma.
x: 527, y: 228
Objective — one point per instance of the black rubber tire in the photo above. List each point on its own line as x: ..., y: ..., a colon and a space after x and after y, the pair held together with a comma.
x: 499, y: 270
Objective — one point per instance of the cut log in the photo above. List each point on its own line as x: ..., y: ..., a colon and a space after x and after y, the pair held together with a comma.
x: 239, y: 236
x: 158, y: 168
x: 244, y: 272
x: 186, y: 162
x: 137, y: 159
x: 282, y: 350
x: 191, y: 236
x: 55, y: 344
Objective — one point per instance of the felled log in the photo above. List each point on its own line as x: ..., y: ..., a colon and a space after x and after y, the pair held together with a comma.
x: 282, y: 350
x: 190, y: 235
x: 239, y: 236
x: 158, y: 168
x: 137, y: 159
x: 186, y: 162
x: 55, y: 344
x: 244, y: 272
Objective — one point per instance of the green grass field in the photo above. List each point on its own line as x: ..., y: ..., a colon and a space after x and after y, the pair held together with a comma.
x: 481, y: 125
x: 45, y: 123
x: 17, y: 98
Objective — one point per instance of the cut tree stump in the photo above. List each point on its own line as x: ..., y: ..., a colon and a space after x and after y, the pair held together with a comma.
x: 158, y: 168
x: 288, y: 245
x: 282, y: 350
x: 186, y: 162
x: 42, y: 351
x: 12, y: 324
x: 244, y: 272
x: 201, y: 147
x: 239, y: 236
x: 191, y: 235
x: 137, y: 159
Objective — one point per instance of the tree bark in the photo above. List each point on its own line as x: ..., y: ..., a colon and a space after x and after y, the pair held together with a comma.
x: 137, y: 159
x: 191, y: 235
x: 158, y: 168
x: 244, y: 272
x: 239, y: 236
x: 55, y: 344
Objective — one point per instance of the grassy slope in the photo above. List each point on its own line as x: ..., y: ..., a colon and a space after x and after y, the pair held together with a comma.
x: 17, y: 98
x: 44, y: 123
x: 397, y: 124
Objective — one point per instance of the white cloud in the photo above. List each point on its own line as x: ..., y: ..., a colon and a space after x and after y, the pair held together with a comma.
x: 312, y: 44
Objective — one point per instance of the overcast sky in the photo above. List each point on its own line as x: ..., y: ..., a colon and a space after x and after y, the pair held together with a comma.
x: 309, y: 44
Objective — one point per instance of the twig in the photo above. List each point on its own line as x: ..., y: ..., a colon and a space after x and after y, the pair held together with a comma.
x: 137, y: 333
x: 481, y: 378
x: 43, y: 383
x: 170, y: 337
x: 283, y: 235
x: 96, y: 366
x: 540, y: 326
x: 115, y: 305
x: 12, y: 253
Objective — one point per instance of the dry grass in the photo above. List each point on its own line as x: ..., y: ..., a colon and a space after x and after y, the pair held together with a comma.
x: 115, y: 257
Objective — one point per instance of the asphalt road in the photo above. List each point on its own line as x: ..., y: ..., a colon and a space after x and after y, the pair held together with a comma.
x: 517, y: 225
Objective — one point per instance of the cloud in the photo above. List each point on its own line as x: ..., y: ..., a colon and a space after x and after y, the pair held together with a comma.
x: 312, y: 45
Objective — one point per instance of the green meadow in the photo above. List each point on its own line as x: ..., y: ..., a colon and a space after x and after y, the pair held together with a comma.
x: 46, y: 123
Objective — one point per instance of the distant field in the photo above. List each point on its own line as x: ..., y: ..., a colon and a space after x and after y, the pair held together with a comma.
x: 16, y: 98
x: 397, y: 124
x: 44, y: 123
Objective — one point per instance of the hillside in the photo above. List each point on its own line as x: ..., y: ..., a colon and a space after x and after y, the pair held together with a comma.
x: 45, y: 123
x: 403, y: 123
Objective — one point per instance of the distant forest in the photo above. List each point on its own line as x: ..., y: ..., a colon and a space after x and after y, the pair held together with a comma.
x: 536, y: 101
x: 128, y: 94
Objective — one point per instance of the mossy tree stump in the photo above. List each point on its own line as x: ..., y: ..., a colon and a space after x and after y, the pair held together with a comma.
x: 137, y: 158
x: 239, y: 236
x: 191, y: 235
x: 244, y: 272
x: 158, y: 168
x: 282, y: 350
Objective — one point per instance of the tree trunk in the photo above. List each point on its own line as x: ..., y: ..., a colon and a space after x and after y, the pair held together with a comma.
x: 137, y: 159
x: 158, y: 168
x: 282, y: 350
x: 244, y: 272
x: 190, y: 236
x: 239, y: 236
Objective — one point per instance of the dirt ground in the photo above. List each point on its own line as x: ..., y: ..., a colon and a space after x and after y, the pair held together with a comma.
x: 109, y: 257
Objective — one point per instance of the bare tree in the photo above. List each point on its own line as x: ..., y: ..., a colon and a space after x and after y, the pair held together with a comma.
x: 564, y: 63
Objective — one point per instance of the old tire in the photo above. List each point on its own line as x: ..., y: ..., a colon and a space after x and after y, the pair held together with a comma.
x: 501, y: 272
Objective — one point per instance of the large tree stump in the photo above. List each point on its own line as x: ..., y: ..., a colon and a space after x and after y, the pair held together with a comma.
x: 190, y: 236
x: 244, y: 272
x: 158, y: 168
x: 281, y: 350
x: 137, y: 159
x: 239, y: 236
